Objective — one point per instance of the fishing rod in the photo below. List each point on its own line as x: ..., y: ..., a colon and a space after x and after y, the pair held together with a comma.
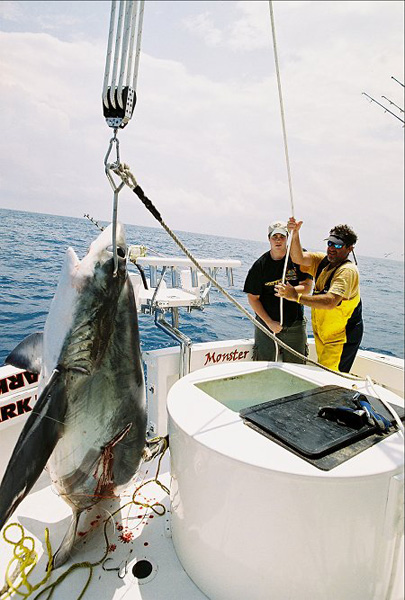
x: 384, y: 107
x: 391, y: 102
x: 100, y: 227
x: 400, y: 83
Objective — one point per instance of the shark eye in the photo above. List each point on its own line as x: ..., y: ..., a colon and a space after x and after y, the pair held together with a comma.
x: 120, y: 251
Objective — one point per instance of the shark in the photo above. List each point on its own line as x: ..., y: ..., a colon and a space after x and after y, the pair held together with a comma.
x: 88, y: 427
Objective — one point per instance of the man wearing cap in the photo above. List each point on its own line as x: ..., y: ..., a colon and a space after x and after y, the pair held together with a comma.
x: 260, y: 284
x: 337, y: 320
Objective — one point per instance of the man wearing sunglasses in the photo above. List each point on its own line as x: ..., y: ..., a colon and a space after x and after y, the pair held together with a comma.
x: 337, y: 321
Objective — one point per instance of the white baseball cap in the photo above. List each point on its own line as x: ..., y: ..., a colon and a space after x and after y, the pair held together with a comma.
x: 278, y: 227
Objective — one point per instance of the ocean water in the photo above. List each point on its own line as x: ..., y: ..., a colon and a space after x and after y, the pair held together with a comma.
x: 32, y: 249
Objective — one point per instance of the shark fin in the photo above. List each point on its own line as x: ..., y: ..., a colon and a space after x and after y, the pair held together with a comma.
x: 37, y: 440
x: 28, y: 354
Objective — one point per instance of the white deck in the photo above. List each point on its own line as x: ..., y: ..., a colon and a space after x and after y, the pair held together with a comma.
x: 137, y: 534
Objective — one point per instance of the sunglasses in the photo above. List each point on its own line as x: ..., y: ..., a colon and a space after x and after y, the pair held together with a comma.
x: 337, y: 246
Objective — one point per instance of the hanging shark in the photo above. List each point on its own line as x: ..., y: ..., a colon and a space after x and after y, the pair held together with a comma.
x: 89, y: 423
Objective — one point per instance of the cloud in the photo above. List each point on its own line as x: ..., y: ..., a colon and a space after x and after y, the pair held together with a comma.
x: 202, y: 25
x: 10, y: 11
x: 209, y: 151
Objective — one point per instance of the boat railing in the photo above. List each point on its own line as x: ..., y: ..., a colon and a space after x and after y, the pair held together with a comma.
x: 173, y: 283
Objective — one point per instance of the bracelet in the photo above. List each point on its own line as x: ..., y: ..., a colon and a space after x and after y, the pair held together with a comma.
x: 299, y: 298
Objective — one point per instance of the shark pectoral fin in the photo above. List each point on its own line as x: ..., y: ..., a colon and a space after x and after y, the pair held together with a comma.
x: 37, y: 440
x: 63, y: 552
x: 28, y: 354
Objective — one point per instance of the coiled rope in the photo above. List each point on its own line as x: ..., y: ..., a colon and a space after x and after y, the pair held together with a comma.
x: 26, y: 557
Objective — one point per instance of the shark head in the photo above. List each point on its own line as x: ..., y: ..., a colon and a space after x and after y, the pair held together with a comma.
x: 85, y: 288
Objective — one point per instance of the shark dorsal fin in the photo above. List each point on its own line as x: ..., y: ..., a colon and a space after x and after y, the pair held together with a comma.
x: 28, y: 354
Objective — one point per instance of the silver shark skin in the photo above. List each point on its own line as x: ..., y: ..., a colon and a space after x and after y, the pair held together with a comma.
x: 90, y: 417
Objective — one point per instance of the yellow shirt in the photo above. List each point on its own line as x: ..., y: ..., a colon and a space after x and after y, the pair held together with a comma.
x: 345, y: 281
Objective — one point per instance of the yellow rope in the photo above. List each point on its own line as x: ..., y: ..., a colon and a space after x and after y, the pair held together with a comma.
x: 26, y: 557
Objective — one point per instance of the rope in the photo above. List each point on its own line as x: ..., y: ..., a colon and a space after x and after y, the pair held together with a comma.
x: 27, y: 559
x: 129, y: 9
x: 109, y: 52
x: 117, y: 51
x: 138, y: 43
x: 123, y: 171
x: 280, y: 97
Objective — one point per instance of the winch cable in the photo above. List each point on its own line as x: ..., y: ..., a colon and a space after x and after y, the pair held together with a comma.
x: 123, y: 171
x: 119, y: 85
x: 287, y: 159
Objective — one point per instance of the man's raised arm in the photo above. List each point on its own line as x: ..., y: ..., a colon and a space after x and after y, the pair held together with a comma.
x: 297, y: 254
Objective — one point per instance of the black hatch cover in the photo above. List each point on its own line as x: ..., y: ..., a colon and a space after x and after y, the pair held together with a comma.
x: 294, y: 423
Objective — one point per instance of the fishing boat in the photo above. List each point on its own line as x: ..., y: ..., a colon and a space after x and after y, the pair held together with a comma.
x: 255, y: 510
x: 269, y: 483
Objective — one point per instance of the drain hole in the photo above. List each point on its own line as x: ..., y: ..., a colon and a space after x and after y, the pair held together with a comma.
x: 142, y: 569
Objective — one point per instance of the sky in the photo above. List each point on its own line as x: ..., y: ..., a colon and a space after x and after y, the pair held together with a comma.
x: 205, y: 142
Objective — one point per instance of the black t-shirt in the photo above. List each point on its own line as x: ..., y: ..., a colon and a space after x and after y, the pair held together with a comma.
x: 263, y: 275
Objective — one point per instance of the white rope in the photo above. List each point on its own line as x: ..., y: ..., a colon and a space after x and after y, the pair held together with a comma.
x: 109, y: 53
x: 280, y: 96
x: 122, y: 61
x: 124, y: 52
x: 117, y: 53
x: 138, y: 43
x: 128, y: 82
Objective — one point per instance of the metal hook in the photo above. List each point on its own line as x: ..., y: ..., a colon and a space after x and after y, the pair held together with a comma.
x: 116, y: 189
x: 113, y: 140
x: 123, y: 571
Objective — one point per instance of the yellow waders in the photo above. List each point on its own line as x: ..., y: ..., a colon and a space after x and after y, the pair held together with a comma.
x: 329, y: 327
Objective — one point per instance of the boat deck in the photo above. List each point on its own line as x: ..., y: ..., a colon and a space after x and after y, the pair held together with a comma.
x: 141, y: 561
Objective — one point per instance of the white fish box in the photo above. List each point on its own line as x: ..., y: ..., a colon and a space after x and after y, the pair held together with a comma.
x: 247, y: 512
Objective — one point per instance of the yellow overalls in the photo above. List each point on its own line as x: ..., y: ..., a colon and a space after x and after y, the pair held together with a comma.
x: 338, y: 331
